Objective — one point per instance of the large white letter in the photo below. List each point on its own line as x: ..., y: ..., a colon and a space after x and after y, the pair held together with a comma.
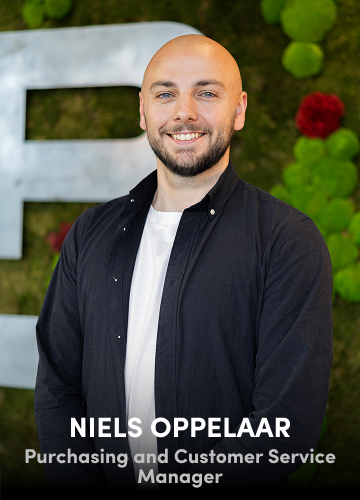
x: 29, y: 454
x: 80, y: 428
x: 281, y: 429
x: 178, y: 427
x: 264, y: 427
x: 245, y: 427
x: 69, y: 170
x: 167, y: 425
x: 66, y: 170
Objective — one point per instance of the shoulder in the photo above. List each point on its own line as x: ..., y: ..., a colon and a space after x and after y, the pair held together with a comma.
x: 268, y: 204
x: 276, y: 221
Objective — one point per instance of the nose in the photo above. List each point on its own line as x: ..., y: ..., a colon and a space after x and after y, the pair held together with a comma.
x: 185, y: 109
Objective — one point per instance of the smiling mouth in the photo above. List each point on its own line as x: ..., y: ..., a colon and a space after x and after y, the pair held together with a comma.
x: 187, y: 137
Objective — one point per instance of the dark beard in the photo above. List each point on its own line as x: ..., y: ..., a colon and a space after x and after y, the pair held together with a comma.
x: 199, y: 165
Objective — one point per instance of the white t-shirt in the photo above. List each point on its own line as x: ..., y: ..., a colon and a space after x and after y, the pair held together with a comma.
x: 144, y: 305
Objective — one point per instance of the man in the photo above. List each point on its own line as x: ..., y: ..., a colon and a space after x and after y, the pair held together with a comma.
x: 197, y: 299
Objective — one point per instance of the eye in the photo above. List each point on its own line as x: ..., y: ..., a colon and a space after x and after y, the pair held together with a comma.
x: 207, y: 93
x: 164, y: 95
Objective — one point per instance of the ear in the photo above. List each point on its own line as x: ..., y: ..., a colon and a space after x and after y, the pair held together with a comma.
x: 240, y: 112
x: 142, y: 114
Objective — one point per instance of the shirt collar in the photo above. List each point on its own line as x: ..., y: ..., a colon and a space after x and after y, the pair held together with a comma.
x: 219, y: 194
x: 142, y: 194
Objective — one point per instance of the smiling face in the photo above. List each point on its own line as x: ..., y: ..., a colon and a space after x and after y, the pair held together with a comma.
x: 190, y: 104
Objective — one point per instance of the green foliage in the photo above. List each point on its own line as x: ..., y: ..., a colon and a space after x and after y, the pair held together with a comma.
x: 57, y: 9
x: 280, y: 192
x: 336, y: 215
x: 309, y: 199
x: 342, y: 250
x: 303, y: 59
x: 354, y: 228
x: 271, y: 10
x: 343, y: 143
x: 337, y: 177
x: 308, y: 20
x: 34, y: 11
x: 296, y: 175
x: 318, y: 184
x: 347, y: 283
x: 305, y: 22
x: 55, y: 260
x: 33, y: 14
x: 308, y: 150
x: 90, y: 113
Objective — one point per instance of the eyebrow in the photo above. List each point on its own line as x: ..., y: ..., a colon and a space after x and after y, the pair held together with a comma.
x: 200, y: 83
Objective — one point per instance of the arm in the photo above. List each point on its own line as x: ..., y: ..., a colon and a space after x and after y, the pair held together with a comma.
x: 58, y: 391
x: 293, y: 358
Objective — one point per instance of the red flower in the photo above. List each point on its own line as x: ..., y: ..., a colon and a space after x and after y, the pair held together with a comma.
x: 319, y: 114
x: 56, y: 239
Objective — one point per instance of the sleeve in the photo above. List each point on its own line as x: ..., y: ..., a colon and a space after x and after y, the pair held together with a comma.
x: 293, y: 361
x: 58, y: 390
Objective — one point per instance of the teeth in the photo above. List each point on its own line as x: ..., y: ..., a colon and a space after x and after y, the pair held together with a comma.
x: 186, y: 137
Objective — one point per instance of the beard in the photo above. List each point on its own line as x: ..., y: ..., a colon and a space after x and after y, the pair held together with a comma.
x: 190, y: 165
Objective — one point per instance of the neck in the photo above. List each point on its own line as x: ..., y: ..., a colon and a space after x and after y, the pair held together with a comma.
x: 176, y: 193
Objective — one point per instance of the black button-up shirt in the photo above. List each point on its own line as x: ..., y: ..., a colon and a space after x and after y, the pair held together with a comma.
x: 245, y: 330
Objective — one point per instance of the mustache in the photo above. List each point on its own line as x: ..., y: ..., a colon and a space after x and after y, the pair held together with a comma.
x: 191, y: 127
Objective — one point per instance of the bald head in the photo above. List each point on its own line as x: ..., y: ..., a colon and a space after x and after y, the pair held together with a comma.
x: 193, y: 53
x: 191, y: 101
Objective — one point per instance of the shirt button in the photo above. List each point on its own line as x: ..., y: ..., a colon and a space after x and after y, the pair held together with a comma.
x: 212, y: 211
x: 132, y: 201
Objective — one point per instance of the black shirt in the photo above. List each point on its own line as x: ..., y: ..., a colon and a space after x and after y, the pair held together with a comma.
x: 245, y: 330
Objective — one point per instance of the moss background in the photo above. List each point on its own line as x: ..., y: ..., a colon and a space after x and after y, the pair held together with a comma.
x: 259, y: 153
